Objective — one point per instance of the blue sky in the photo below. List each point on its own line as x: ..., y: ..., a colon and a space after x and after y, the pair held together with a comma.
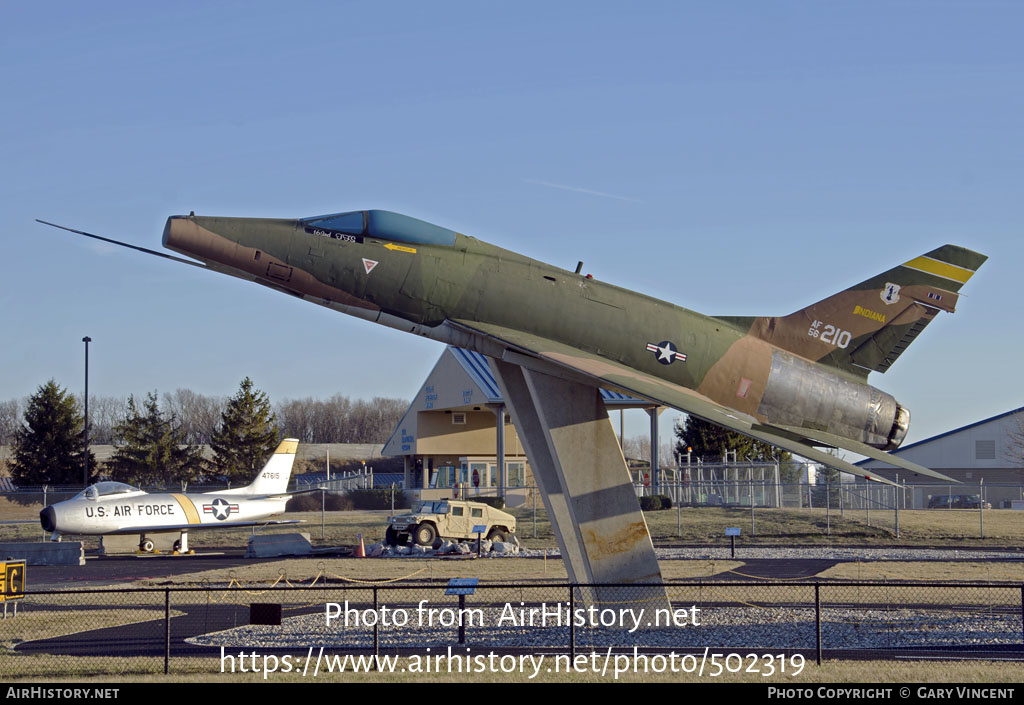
x: 734, y: 158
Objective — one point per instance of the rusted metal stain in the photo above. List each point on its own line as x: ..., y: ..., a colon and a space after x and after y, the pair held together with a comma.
x: 622, y: 541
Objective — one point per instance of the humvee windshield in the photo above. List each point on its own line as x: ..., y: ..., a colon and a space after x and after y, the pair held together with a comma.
x: 440, y: 507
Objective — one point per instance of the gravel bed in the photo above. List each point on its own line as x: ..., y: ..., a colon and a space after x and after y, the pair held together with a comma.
x: 727, y: 627
x: 760, y: 627
x: 783, y: 553
x: 840, y: 553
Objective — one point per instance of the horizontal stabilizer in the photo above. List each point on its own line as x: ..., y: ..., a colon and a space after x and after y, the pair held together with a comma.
x: 831, y: 440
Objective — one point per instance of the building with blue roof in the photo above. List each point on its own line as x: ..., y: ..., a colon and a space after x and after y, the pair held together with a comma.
x: 449, y: 436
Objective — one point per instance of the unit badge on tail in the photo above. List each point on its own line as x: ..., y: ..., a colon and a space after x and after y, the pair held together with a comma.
x: 891, y: 293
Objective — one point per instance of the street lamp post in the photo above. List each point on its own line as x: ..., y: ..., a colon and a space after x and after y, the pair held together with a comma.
x: 85, y: 434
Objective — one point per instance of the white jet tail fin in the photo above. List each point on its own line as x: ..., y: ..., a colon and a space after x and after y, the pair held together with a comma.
x: 273, y: 478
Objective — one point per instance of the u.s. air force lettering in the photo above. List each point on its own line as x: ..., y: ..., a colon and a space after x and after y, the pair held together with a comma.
x: 128, y: 510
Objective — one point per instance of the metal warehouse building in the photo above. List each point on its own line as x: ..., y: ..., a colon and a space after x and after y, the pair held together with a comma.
x: 986, y: 456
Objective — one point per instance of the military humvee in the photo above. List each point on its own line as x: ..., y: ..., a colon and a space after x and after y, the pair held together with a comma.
x: 440, y: 519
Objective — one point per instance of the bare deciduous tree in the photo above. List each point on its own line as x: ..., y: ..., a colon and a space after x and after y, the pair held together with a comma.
x: 105, y: 413
x: 339, y: 419
x: 1015, y: 447
x: 198, y: 414
x: 10, y: 420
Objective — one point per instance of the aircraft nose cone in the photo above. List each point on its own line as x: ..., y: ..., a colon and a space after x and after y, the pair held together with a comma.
x: 176, y: 232
x: 48, y: 518
x: 188, y: 236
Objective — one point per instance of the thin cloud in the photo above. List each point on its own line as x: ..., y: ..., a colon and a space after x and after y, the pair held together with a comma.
x: 577, y: 189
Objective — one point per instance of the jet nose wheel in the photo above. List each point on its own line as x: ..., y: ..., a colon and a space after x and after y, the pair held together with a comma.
x: 146, y: 545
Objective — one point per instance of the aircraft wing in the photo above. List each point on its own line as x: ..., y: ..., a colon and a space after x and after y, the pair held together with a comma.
x: 608, y: 373
x: 195, y: 527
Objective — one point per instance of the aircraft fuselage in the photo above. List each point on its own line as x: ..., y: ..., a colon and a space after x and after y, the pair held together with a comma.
x: 420, y: 287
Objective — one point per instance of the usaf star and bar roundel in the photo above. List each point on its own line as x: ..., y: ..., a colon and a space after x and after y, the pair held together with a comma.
x: 666, y: 352
x: 220, y: 509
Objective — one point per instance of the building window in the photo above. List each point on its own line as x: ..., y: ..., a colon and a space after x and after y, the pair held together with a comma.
x: 984, y: 450
x: 443, y: 477
x: 516, y: 474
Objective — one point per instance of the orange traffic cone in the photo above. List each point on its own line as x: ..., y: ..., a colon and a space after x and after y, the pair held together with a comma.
x: 361, y: 551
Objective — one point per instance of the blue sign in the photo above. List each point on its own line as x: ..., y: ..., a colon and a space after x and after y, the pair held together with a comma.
x: 732, y: 532
x: 461, y: 586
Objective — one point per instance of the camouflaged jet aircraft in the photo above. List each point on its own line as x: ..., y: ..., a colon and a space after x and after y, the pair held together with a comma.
x: 798, y: 382
x: 117, y: 508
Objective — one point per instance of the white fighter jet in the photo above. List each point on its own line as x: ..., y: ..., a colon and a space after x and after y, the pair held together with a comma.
x: 117, y: 508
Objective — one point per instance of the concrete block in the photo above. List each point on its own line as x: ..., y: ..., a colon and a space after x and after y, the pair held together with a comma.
x: 44, y: 553
x: 268, y: 545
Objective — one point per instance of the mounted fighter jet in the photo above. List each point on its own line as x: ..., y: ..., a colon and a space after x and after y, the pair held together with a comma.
x: 117, y: 508
x: 798, y: 382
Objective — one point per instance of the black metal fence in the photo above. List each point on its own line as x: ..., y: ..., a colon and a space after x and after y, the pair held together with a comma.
x: 206, y: 630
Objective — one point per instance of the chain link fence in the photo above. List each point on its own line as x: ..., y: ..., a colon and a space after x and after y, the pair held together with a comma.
x: 940, y: 509
x: 208, y: 630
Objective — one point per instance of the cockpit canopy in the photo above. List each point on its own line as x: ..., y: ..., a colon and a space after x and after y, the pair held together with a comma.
x: 384, y: 225
x: 105, y: 489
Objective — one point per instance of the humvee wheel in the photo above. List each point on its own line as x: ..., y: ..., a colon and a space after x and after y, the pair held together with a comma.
x: 391, y: 537
x: 496, y: 535
x: 425, y: 534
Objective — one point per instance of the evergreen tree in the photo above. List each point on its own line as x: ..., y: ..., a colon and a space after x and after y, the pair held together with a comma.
x: 48, y: 447
x: 150, y: 448
x: 711, y: 441
x: 247, y: 435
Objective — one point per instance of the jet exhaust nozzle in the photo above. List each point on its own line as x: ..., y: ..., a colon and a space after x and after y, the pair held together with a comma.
x: 900, y: 426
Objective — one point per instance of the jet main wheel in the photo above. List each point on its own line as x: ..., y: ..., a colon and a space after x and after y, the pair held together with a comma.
x: 146, y: 545
x: 496, y: 535
x: 425, y: 535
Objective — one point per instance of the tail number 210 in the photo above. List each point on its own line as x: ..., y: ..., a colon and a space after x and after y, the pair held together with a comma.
x: 830, y: 334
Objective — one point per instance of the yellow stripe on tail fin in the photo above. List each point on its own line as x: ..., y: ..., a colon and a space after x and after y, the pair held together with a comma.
x: 868, y: 326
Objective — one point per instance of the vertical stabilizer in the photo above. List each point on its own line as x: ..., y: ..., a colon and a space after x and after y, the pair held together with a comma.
x: 866, y: 327
x: 273, y: 478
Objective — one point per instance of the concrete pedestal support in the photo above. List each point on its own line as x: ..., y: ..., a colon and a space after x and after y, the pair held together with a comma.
x: 582, y: 475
